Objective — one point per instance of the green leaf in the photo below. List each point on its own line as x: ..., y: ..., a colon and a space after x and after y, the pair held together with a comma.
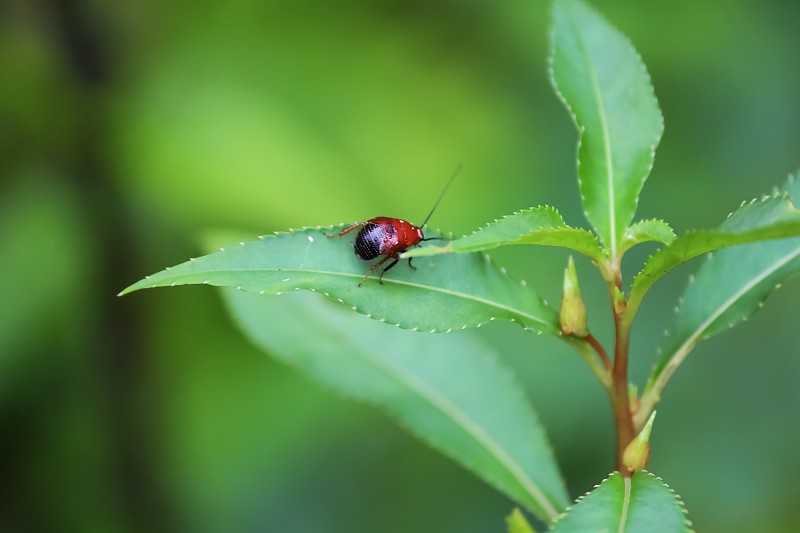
x: 517, y: 523
x: 449, y: 390
x: 641, y: 504
x: 647, y: 230
x: 769, y: 218
x: 445, y: 293
x: 538, y: 225
x: 729, y: 287
x: 605, y: 86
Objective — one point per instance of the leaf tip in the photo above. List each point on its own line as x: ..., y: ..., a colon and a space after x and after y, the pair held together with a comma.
x: 517, y: 523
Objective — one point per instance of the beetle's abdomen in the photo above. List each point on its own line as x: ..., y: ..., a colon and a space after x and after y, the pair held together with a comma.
x: 368, y: 241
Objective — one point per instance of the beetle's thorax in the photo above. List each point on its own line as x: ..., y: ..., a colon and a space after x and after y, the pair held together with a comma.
x: 405, y: 234
x: 386, y: 236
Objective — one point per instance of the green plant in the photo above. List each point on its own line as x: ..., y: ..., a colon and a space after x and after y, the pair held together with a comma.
x: 447, y: 389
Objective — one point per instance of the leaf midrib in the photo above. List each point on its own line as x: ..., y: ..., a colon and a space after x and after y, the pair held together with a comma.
x: 470, y: 426
x: 600, y: 102
x: 667, y: 258
x: 394, y: 281
x: 626, y: 501
x: 525, y: 239
x: 578, y: 233
x: 727, y: 304
x: 691, y: 341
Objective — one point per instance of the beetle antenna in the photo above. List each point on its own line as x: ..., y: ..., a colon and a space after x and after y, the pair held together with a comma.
x: 447, y: 185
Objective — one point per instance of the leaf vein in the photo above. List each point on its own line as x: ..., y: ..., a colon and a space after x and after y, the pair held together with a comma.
x: 394, y: 281
x: 473, y: 428
x: 649, y: 399
x: 598, y: 96
x: 626, y: 501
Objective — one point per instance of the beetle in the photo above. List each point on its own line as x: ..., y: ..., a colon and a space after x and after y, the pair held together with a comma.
x: 389, y: 237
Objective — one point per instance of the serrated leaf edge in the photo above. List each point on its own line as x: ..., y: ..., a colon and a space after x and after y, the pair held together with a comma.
x: 681, y: 504
x: 776, y: 194
x: 477, y: 431
x: 545, y: 207
x: 678, y: 499
x: 525, y: 211
x: 711, y: 231
x: 628, y: 233
x: 579, y: 499
x: 513, y: 385
x: 581, y: 129
x: 530, y: 326
x: 551, y: 229
x: 680, y: 354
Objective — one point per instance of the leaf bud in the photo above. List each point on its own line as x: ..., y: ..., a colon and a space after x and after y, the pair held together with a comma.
x: 573, y: 311
x: 633, y: 397
x: 637, y: 453
x: 619, y: 301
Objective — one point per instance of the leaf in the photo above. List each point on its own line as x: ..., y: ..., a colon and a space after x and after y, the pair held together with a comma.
x: 449, y: 390
x: 769, y: 218
x: 444, y: 293
x: 605, y: 86
x: 641, y: 504
x: 517, y: 523
x: 538, y: 225
x: 647, y: 230
x: 729, y: 287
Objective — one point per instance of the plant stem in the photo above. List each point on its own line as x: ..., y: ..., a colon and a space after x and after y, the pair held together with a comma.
x: 585, y: 350
x: 600, y: 350
x: 652, y: 393
x: 620, y: 398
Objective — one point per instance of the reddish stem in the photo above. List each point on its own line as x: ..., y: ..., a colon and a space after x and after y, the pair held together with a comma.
x: 594, y: 343
x: 620, y: 399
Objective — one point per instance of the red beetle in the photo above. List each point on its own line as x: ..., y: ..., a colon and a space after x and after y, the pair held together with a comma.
x: 389, y: 237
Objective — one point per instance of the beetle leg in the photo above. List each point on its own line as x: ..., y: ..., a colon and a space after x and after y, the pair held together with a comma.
x: 376, y: 265
x: 348, y: 230
x: 409, y: 263
x: 393, y: 263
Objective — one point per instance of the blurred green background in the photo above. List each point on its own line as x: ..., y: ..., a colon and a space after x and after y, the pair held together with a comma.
x: 130, y: 128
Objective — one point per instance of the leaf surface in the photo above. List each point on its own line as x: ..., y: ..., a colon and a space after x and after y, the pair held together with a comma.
x: 769, y: 218
x: 605, y: 87
x: 449, y: 390
x: 640, y: 504
x: 729, y: 287
x: 538, y: 225
x: 445, y: 293
x: 647, y: 230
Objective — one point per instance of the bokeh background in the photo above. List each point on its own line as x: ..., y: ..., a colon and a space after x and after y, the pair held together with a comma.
x: 128, y: 129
